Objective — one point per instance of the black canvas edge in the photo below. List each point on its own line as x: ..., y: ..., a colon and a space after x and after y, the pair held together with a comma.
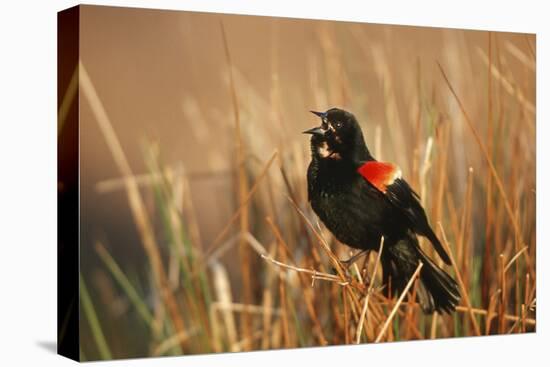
x: 68, y: 166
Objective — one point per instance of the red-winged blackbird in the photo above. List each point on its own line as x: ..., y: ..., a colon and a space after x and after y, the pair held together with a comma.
x: 360, y: 199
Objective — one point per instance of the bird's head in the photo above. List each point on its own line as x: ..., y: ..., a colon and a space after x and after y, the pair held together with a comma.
x: 339, y: 136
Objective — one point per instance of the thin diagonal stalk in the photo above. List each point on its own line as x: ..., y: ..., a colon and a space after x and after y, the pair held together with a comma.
x: 363, y: 319
x: 459, y: 279
x: 93, y: 321
x: 124, y: 283
x: 399, y: 301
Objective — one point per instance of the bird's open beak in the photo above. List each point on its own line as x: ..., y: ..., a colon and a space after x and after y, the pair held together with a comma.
x: 315, y: 131
x: 319, y: 114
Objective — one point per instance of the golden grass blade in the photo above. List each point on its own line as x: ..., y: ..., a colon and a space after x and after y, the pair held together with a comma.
x: 516, y: 256
x: 462, y: 248
x: 284, y: 316
x: 503, y: 295
x: 347, y: 336
x: 463, y: 289
x: 147, y: 179
x: 523, y: 312
x: 114, y: 184
x: 363, y: 318
x: 433, y: 329
x: 244, y: 308
x: 489, y: 213
x: 223, y: 293
x: 172, y: 342
x: 246, y: 342
x: 267, y: 301
x: 490, y: 312
x: 315, y: 274
x: 527, y: 284
x: 398, y: 303
x: 242, y: 181
x: 426, y: 165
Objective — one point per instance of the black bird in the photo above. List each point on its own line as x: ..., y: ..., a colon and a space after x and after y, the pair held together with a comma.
x: 360, y: 199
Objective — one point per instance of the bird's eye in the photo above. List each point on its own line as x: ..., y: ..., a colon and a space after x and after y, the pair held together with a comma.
x: 338, y: 124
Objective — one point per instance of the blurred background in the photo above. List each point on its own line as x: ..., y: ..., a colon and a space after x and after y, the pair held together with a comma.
x: 204, y: 106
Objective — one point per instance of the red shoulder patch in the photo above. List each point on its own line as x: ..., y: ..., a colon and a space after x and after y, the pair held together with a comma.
x: 380, y: 174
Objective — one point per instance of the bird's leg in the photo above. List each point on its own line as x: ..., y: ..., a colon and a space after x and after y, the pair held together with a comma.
x: 347, y: 263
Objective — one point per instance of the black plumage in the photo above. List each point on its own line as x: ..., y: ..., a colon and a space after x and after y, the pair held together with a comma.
x: 360, y: 199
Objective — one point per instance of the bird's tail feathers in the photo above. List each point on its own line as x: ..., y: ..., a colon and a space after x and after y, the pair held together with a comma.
x: 442, y: 291
x: 437, y: 291
x: 438, y: 247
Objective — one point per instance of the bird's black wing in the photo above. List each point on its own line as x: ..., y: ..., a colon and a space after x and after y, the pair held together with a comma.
x: 386, y: 177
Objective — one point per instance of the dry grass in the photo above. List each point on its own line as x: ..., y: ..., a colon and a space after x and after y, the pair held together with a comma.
x: 288, y: 288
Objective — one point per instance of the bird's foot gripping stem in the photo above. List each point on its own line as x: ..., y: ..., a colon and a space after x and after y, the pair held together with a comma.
x: 349, y: 262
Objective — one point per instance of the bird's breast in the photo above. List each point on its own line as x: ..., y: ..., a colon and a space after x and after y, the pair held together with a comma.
x: 347, y: 209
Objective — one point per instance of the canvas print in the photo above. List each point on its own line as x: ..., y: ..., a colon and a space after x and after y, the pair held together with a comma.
x: 234, y: 183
